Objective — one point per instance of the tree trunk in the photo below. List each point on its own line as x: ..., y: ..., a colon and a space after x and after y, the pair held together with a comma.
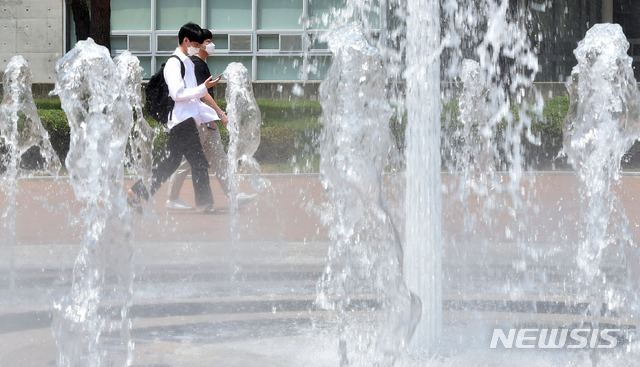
x: 101, y: 22
x: 81, y: 18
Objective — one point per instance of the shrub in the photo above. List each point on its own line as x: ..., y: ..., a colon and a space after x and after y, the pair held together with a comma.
x: 55, y: 122
x: 281, y: 143
x: 289, y: 129
x: 548, y: 129
x: 48, y: 104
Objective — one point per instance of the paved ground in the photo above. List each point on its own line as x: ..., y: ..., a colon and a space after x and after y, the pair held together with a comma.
x: 46, y: 209
x: 205, y: 295
x: 287, y: 210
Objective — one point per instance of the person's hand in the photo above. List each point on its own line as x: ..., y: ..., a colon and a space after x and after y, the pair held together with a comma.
x: 210, y: 82
x: 224, y: 118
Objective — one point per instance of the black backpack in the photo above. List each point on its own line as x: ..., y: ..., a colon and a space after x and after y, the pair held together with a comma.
x: 158, y: 103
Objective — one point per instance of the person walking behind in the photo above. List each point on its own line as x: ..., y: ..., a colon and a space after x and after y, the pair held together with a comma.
x: 209, y: 137
x: 187, y: 113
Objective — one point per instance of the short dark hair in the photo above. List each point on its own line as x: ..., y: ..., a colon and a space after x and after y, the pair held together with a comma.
x: 206, y: 35
x: 192, y: 31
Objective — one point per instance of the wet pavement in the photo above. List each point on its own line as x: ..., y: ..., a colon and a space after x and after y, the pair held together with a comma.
x: 232, y: 289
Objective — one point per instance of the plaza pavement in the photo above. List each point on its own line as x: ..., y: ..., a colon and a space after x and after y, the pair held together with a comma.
x: 207, y: 295
x: 288, y: 210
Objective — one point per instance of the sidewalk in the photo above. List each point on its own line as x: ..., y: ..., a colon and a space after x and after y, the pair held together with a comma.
x: 47, y: 213
x: 288, y: 210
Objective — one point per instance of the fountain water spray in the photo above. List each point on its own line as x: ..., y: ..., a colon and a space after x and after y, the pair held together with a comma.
x: 20, y: 130
x: 244, y: 124
x: 602, y: 124
x: 245, y: 119
x: 91, y: 324
x: 356, y: 145
x: 21, y: 127
x: 475, y: 159
x: 420, y: 36
x: 142, y: 135
x: 486, y: 47
x: 423, y: 205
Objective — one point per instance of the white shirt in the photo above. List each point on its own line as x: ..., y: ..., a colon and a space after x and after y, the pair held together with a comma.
x: 186, y: 93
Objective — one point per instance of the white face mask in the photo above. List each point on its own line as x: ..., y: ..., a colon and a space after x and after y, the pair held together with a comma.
x: 192, y: 50
x: 210, y: 48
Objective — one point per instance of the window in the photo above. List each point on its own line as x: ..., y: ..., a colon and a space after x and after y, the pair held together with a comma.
x: 290, y: 43
x: 321, y: 12
x: 218, y: 64
x: 145, y: 63
x: 267, y: 36
x: 279, y: 68
x: 279, y: 14
x: 130, y: 15
x: 268, y: 42
x: 221, y: 41
x: 229, y: 14
x: 239, y: 43
x: 171, y: 14
x: 317, y: 44
x: 139, y: 43
x: 167, y: 43
x: 119, y: 43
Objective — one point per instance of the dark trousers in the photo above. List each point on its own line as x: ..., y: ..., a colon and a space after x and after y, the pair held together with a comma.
x: 183, y: 141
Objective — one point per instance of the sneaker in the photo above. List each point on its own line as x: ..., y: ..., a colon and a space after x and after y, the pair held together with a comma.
x: 135, y: 205
x: 133, y: 202
x: 178, y: 204
x: 244, y: 199
x: 209, y: 209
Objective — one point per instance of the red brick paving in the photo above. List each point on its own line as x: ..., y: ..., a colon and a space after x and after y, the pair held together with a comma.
x: 47, y: 212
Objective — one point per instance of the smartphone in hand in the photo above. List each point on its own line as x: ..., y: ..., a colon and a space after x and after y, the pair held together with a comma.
x: 210, y: 82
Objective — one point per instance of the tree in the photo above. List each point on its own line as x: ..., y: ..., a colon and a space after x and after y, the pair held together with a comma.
x: 92, y: 19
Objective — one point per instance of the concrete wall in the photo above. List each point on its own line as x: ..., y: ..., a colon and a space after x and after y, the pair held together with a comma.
x: 33, y: 29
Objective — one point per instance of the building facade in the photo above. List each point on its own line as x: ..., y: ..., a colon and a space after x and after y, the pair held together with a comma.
x: 277, y: 40
x: 557, y: 29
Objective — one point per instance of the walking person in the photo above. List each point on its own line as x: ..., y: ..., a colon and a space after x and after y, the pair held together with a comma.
x: 209, y: 137
x: 188, y: 112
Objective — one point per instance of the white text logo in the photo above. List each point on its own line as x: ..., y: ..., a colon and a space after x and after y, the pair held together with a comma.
x: 555, y: 338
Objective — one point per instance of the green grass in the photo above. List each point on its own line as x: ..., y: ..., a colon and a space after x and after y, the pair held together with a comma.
x: 291, y: 114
